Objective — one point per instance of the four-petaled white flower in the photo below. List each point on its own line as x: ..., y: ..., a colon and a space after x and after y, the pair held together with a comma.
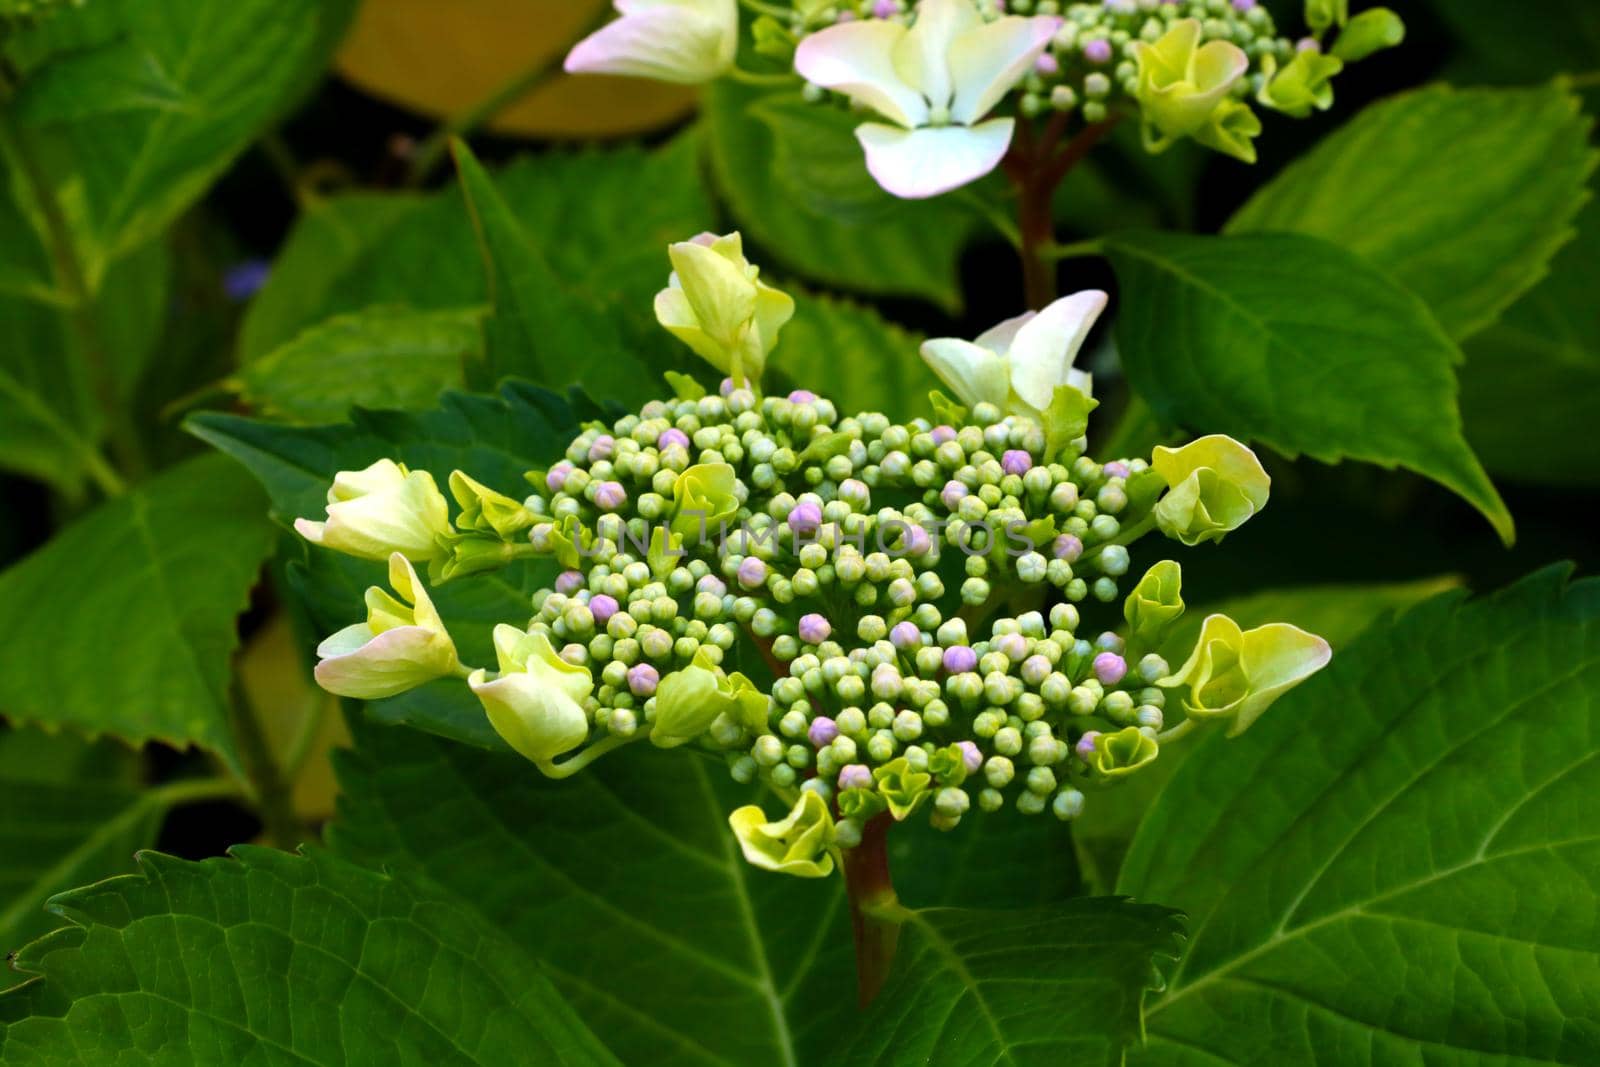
x: 403, y: 643
x: 936, y: 81
x: 1019, y: 364
x: 686, y: 41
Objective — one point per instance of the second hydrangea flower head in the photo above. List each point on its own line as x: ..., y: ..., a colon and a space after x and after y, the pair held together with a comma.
x: 818, y: 598
x: 945, y: 83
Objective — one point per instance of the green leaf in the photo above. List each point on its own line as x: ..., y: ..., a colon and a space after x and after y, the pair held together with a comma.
x: 1463, y: 196
x: 356, y: 250
x: 1542, y: 356
x: 1338, y: 613
x: 120, y: 76
x: 911, y: 249
x: 269, y: 957
x: 1399, y: 862
x: 816, y: 159
x: 626, y: 883
x: 226, y: 67
x: 537, y: 327
x: 1522, y: 43
x: 853, y: 356
x: 123, y: 623
x: 70, y: 812
x: 1297, y: 343
x: 1062, y: 985
x: 380, y: 357
x: 497, y: 438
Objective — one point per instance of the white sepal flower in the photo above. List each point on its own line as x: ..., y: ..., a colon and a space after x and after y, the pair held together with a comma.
x: 381, y: 510
x: 685, y: 41
x: 935, y: 81
x: 1019, y: 364
x: 535, y: 703
x: 402, y: 645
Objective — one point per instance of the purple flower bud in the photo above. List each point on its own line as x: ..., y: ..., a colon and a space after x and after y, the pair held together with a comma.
x: 952, y: 494
x: 609, y: 496
x: 711, y: 584
x: 884, y: 9
x: 642, y: 679
x: 855, y: 776
x: 971, y: 756
x: 905, y: 636
x: 1016, y: 461
x: 918, y: 540
x: 569, y: 582
x: 602, y: 607
x: 1115, y: 469
x: 805, y: 517
x: 752, y: 572
x: 814, y: 629
x: 1046, y: 64
x: 1097, y: 51
x: 1307, y: 44
x: 1067, y: 547
x: 943, y: 434
x: 1244, y: 5
x: 602, y: 448
x: 557, y: 476
x: 1085, y: 747
x: 823, y: 730
x: 1013, y: 646
x: 672, y: 436
x: 802, y: 396
x: 726, y: 387
x: 1110, y: 668
x: 959, y: 659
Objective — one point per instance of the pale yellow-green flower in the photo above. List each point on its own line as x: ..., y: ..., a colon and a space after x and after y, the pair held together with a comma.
x: 1182, y: 82
x: 381, y: 510
x: 1214, y: 485
x: 1155, y: 603
x: 402, y: 645
x: 1119, y: 754
x: 689, y: 700
x: 716, y: 304
x: 703, y: 496
x: 798, y: 844
x: 486, y: 509
x: 1305, y: 82
x: 1236, y: 674
x: 535, y: 703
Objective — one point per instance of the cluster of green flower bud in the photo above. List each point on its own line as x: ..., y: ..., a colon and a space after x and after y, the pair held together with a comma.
x: 910, y: 597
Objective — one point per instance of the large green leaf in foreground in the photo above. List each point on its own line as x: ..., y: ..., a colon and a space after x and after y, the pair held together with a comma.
x: 1400, y: 862
x: 1461, y: 195
x: 272, y: 958
x: 124, y: 622
x: 1297, y: 343
x: 1062, y: 985
x: 625, y: 882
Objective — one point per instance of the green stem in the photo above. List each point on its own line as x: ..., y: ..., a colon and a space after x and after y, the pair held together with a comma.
x: 875, y: 911
x: 1076, y: 250
x: 432, y: 151
x: 194, y: 791
x: 78, y: 294
x: 750, y: 77
x: 567, y: 768
x: 1166, y: 737
x: 1126, y: 536
x: 991, y: 213
x: 271, y: 790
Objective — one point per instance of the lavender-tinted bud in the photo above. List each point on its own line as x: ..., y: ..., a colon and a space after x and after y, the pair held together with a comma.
x: 884, y: 9
x: 971, y: 756
x: 1085, y: 746
x: 670, y: 437
x: 569, y: 582
x: 603, y: 447
x: 952, y: 494
x: 941, y: 434
x: 1110, y: 668
x: 1307, y: 44
x: 959, y: 659
x: 1117, y: 468
x: 609, y: 496
x: 1097, y: 51
x: 905, y: 636
x: 1047, y: 64
x: 642, y: 679
x: 602, y: 607
x: 1067, y: 547
x: 711, y: 584
x: 1016, y: 461
x: 805, y: 518
x: 1013, y: 646
x: 814, y: 629
x: 802, y: 396
x: 752, y: 573
x: 557, y: 476
x: 1035, y: 669
x: 823, y: 730
x: 726, y: 386
x: 855, y: 776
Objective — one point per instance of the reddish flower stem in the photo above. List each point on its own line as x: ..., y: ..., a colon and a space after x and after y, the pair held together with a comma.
x: 875, y: 912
